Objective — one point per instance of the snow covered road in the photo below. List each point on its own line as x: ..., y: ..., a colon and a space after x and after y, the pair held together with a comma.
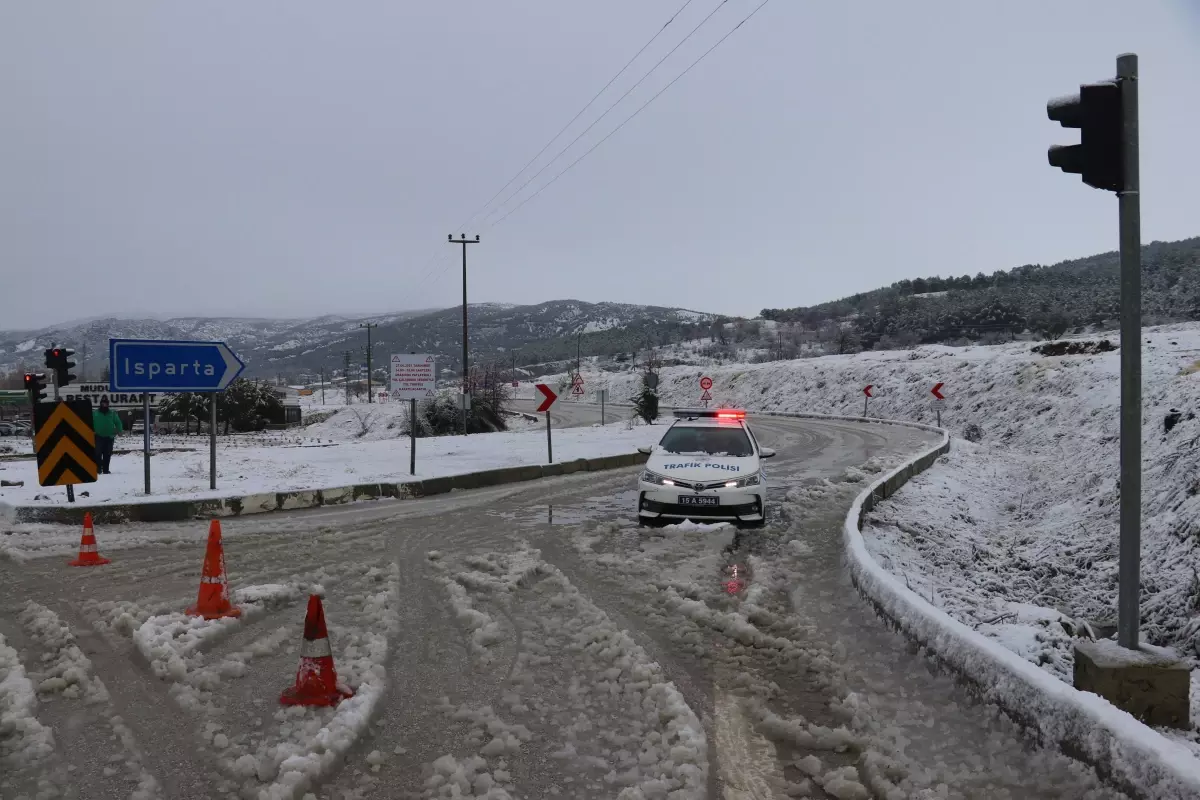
x: 523, y: 641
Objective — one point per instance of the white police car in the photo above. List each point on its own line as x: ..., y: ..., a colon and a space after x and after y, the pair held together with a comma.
x: 706, y: 468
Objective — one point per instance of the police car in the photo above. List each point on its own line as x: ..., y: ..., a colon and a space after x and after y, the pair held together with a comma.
x: 706, y: 468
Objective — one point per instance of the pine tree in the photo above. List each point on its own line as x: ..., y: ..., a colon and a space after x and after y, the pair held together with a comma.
x: 645, y: 405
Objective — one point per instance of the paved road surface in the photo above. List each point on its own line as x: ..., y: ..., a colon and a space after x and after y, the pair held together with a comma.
x: 572, y: 414
x: 526, y: 641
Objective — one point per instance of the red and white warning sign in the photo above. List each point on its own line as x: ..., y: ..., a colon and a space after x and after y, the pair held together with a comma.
x: 577, y: 389
x: 706, y: 396
x: 413, y: 377
x: 706, y: 384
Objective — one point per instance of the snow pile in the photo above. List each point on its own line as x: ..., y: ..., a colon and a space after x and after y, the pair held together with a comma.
x: 365, y: 421
x: 24, y: 741
x: 65, y: 669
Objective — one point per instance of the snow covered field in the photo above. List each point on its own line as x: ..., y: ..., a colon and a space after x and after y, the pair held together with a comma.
x: 1016, y: 535
x: 325, y: 455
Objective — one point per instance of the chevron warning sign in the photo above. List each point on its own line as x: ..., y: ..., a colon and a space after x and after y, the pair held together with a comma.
x: 65, y: 443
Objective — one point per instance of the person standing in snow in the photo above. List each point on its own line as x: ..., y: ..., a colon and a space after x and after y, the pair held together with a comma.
x: 107, y: 425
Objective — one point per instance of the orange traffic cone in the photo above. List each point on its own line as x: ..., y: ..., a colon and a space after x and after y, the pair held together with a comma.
x: 213, y: 600
x: 88, y: 555
x: 316, y: 679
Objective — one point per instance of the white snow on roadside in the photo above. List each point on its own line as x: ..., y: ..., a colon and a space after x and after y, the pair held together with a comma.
x: 245, y: 470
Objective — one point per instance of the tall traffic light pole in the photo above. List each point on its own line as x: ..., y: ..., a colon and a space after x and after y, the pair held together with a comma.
x: 368, y: 326
x: 1107, y: 158
x: 464, y: 397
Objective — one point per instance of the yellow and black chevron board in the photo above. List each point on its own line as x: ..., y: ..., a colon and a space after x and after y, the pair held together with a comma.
x: 65, y: 443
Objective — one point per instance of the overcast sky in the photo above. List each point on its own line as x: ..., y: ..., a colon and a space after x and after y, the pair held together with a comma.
x: 295, y: 157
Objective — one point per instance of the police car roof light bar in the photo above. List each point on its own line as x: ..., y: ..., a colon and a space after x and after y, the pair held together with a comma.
x: 710, y: 413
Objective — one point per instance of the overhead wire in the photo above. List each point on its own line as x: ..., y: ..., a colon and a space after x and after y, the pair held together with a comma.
x: 624, y: 122
x: 618, y: 101
x: 621, y: 125
x: 487, y: 206
x: 578, y: 114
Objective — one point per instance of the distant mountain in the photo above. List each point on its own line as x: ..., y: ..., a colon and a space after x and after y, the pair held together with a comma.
x: 296, y: 348
x: 1043, y: 300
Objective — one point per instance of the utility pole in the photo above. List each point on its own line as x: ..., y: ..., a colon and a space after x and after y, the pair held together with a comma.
x: 578, y: 358
x: 346, y: 374
x: 322, y: 384
x: 465, y: 398
x: 368, y: 326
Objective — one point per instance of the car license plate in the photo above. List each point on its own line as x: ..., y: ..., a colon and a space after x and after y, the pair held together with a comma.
x: 698, y: 500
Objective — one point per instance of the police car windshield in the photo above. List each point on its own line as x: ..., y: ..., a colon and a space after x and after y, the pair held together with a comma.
x: 712, y: 441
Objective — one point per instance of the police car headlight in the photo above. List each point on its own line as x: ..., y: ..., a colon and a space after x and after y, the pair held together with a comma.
x: 655, y: 478
x: 749, y: 480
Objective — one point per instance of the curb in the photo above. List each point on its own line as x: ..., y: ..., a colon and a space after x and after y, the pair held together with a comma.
x: 1137, y: 758
x: 181, y: 510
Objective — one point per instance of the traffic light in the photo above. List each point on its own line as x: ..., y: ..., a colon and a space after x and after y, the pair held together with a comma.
x: 59, y: 360
x: 35, y: 385
x: 1097, y: 112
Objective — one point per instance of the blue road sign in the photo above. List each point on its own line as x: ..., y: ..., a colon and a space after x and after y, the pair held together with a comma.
x: 163, y: 365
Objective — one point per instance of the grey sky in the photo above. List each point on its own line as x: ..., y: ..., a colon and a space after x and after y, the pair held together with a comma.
x: 297, y: 157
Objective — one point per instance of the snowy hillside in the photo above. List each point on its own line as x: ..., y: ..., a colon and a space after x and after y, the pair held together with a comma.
x: 298, y: 349
x: 1018, y: 532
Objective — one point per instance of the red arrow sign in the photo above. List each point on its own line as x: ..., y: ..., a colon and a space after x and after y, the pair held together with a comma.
x: 549, y: 394
x: 937, y: 391
x: 867, y: 390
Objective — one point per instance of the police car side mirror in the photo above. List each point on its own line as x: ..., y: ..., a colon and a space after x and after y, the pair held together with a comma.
x: 645, y: 450
x: 766, y: 452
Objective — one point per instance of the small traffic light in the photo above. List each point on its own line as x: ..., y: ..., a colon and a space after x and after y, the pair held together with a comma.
x: 1097, y: 112
x: 59, y: 360
x: 35, y: 385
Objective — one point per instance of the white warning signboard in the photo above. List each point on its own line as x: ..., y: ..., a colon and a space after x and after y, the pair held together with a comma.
x: 413, y: 377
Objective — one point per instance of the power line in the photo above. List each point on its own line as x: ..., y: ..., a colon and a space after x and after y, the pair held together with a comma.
x: 624, y: 122
x: 437, y: 259
x: 619, y: 100
x: 631, y: 116
x: 579, y: 114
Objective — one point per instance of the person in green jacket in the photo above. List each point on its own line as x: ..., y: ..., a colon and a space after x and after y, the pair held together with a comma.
x: 107, y: 425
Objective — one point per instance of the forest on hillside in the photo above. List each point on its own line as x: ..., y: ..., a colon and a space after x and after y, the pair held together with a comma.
x: 1044, y: 300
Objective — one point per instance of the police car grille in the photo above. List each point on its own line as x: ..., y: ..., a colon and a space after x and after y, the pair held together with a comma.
x: 699, y: 485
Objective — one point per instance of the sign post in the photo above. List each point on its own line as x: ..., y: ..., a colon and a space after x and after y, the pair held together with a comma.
x: 146, y: 441
x: 867, y: 398
x: 413, y: 377
x: 212, y: 444
x: 706, y: 384
x: 412, y: 432
x: 550, y: 397
x: 169, y: 366
x: 603, y: 396
x: 936, y: 391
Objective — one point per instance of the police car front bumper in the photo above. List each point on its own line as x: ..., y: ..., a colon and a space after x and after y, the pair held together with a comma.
x: 745, y: 504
